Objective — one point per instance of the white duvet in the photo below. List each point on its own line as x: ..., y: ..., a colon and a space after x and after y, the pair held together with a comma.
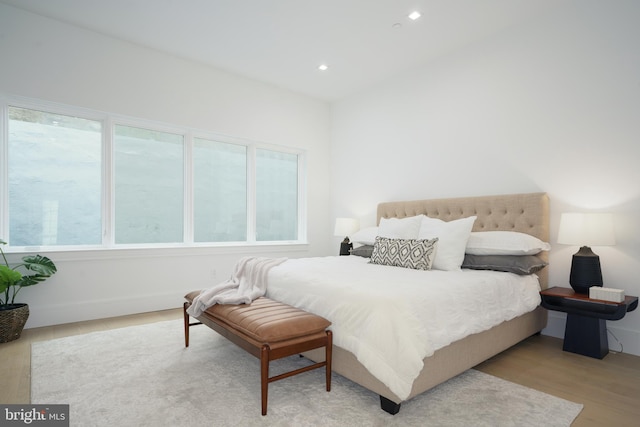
x: 391, y: 318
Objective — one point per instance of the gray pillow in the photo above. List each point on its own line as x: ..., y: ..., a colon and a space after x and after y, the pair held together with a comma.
x: 407, y: 253
x: 363, y: 251
x: 518, y: 264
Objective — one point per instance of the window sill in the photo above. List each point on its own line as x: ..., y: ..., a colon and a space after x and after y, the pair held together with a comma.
x: 122, y: 252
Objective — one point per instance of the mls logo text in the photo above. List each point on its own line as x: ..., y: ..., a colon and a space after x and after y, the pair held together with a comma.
x: 37, y: 415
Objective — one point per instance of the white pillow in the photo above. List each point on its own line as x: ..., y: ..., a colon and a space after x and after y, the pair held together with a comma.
x: 452, y: 240
x: 400, y: 228
x: 504, y: 243
x: 365, y: 236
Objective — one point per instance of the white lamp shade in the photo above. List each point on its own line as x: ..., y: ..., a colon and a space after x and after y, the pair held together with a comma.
x: 346, y: 226
x: 586, y: 229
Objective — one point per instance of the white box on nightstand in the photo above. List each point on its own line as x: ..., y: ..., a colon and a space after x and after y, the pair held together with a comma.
x: 606, y: 294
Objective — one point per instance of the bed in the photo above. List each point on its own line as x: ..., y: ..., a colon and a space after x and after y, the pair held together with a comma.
x: 523, y: 213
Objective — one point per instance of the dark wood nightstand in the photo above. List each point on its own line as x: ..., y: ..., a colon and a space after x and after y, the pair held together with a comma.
x: 586, y: 329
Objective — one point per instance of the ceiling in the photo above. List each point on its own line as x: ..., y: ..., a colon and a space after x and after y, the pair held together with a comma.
x: 282, y: 42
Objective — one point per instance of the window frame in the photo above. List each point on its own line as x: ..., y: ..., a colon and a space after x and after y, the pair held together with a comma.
x: 109, y: 121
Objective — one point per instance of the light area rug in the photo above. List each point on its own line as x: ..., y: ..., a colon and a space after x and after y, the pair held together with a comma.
x: 144, y: 376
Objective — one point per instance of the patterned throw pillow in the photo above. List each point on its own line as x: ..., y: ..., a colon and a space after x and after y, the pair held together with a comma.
x: 407, y: 253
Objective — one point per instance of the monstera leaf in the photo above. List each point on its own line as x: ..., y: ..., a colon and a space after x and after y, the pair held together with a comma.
x: 42, y: 266
x: 12, y: 280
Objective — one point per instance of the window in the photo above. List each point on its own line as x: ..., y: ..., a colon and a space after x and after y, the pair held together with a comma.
x: 55, y: 179
x: 149, y: 186
x: 83, y: 178
x: 276, y: 195
x: 220, y: 191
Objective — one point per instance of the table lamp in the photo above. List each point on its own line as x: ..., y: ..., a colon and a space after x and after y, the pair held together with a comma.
x: 585, y: 230
x: 344, y: 227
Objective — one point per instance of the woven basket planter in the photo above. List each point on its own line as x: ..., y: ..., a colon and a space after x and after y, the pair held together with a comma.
x: 13, y: 317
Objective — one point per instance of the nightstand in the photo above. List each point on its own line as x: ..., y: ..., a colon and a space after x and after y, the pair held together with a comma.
x: 586, y: 329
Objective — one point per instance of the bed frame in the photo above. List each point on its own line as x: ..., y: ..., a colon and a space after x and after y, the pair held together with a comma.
x: 526, y: 213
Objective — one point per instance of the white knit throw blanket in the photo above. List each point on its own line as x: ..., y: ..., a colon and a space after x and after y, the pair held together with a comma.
x: 248, y: 282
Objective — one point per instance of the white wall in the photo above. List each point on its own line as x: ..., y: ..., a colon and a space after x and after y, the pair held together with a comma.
x: 551, y: 106
x: 48, y: 60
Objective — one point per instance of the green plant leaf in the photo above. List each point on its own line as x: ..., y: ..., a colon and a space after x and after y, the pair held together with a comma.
x: 8, y: 277
x: 11, y: 280
x: 40, y: 264
x: 30, y: 280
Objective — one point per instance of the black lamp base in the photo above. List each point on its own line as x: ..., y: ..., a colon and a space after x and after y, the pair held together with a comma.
x: 345, y: 248
x: 585, y: 270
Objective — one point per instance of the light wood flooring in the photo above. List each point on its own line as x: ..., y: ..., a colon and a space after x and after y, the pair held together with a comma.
x: 609, y: 389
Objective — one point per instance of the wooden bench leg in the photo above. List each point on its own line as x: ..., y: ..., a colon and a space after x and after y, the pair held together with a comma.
x: 186, y: 324
x: 264, y: 376
x: 327, y: 358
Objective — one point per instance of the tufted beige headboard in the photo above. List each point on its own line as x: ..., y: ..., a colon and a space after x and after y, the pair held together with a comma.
x: 526, y: 213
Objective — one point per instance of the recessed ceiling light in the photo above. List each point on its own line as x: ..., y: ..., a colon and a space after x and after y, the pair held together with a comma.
x: 323, y: 67
x: 414, y: 15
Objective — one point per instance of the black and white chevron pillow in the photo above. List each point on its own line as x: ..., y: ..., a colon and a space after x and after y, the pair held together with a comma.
x: 408, y: 253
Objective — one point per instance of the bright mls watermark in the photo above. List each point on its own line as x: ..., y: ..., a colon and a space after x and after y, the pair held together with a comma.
x: 36, y: 415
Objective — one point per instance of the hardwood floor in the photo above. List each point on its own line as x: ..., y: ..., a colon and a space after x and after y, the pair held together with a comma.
x: 609, y: 389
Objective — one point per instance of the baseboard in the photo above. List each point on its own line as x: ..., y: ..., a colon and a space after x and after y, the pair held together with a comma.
x: 629, y: 339
x: 555, y: 324
x: 81, y: 311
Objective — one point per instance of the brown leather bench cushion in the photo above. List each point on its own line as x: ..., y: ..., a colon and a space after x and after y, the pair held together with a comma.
x: 266, y: 320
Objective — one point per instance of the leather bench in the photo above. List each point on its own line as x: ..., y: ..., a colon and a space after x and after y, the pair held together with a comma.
x: 269, y: 330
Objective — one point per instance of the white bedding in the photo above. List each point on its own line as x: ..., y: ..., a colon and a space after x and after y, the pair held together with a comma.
x: 391, y: 318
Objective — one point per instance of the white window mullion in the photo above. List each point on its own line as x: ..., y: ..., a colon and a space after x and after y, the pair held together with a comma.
x: 251, y: 194
x: 108, y: 185
x: 4, y: 172
x: 302, y: 200
x: 188, y: 189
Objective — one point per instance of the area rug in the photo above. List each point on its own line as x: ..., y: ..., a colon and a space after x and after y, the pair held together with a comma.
x: 144, y: 376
